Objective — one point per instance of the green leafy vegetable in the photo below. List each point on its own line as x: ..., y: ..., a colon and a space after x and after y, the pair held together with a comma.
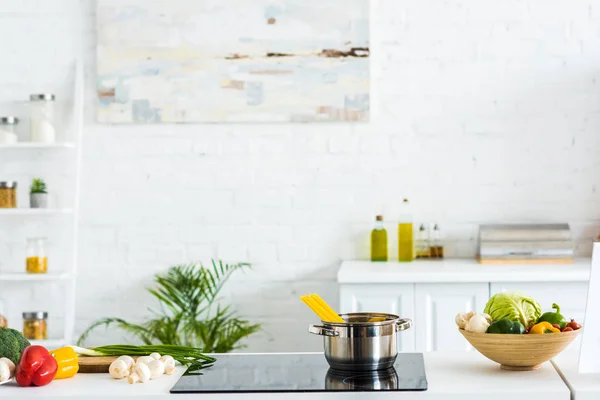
x: 12, y: 344
x: 185, y: 355
x: 515, y: 306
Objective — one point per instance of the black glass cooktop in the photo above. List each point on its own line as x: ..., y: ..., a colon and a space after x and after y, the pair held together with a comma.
x: 240, y: 373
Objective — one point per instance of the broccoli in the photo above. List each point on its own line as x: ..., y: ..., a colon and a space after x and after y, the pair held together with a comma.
x: 12, y: 344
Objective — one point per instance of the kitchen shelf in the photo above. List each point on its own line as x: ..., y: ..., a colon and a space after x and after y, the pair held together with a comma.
x: 25, y: 277
x: 50, y: 344
x: 35, y: 211
x: 72, y: 142
x: 38, y: 146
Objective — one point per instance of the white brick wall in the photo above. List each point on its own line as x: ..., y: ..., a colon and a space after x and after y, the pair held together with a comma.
x: 483, y: 110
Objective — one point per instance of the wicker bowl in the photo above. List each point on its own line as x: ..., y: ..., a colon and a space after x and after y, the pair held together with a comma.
x: 520, y: 352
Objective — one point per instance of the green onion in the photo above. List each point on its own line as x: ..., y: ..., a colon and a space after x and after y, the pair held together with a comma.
x: 183, y: 354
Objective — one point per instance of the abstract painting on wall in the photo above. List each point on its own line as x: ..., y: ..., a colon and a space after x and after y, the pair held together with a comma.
x: 233, y: 61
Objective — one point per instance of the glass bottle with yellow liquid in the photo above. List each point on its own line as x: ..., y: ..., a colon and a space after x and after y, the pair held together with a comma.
x: 379, y: 241
x: 406, y: 242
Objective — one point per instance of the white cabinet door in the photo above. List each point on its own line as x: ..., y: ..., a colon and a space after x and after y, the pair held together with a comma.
x: 436, y: 306
x: 395, y: 299
x: 570, y: 296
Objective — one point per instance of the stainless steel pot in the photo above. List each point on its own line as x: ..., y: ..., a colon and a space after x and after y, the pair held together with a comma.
x: 360, y: 344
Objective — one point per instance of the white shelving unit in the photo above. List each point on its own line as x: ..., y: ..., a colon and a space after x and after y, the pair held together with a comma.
x: 67, y: 277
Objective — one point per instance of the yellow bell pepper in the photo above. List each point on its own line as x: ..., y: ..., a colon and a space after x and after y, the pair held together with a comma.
x: 543, y: 327
x: 68, y: 362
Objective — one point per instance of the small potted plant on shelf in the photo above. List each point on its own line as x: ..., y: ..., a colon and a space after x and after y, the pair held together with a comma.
x: 38, y: 196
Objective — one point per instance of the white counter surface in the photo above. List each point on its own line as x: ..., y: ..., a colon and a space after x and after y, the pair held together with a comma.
x: 461, y: 270
x: 451, y: 376
x: 583, y: 386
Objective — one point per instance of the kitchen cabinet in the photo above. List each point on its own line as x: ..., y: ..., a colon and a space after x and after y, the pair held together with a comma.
x: 431, y: 293
x: 392, y: 299
x: 436, y: 305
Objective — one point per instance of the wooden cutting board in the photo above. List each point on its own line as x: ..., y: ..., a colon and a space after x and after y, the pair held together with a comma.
x: 96, y: 365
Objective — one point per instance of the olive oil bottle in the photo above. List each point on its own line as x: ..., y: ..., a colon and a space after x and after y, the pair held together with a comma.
x: 423, y: 248
x: 379, y: 241
x: 406, y: 243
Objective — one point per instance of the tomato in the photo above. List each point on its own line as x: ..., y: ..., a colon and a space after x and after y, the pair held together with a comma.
x: 574, y: 325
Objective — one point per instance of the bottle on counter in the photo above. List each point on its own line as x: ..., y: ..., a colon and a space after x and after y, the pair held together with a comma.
x: 379, y: 241
x: 437, y: 247
x: 406, y: 246
x: 423, y: 246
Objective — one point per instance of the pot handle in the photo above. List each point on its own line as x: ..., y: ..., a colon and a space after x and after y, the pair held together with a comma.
x: 322, y: 331
x: 403, y: 324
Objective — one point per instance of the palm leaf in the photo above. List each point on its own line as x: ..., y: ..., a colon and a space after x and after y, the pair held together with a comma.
x: 187, y: 295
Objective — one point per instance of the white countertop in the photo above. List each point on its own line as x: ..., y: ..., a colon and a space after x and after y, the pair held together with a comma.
x: 583, y: 386
x: 451, y: 376
x: 461, y: 270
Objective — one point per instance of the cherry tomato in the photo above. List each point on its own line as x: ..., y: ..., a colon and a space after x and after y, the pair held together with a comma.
x: 567, y: 329
x: 573, y: 324
x: 557, y: 326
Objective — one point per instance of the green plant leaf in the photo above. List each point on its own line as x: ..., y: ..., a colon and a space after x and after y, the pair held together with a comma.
x: 37, y: 186
x: 189, y: 314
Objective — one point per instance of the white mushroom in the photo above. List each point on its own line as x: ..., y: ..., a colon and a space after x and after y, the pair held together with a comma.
x: 144, y: 360
x: 169, y: 364
x: 463, y: 318
x: 133, y: 378
x: 155, y: 356
x: 168, y: 360
x: 128, y: 360
x: 142, y: 371
x: 118, y: 369
x: 157, y: 369
x: 477, y: 324
x: 6, y: 365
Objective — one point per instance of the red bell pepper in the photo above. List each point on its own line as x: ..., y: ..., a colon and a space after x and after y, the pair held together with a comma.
x: 36, y: 367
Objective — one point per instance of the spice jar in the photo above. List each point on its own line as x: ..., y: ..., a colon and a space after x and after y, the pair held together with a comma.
x: 8, y: 194
x: 7, y: 130
x: 41, y: 118
x: 37, y: 261
x: 35, y: 325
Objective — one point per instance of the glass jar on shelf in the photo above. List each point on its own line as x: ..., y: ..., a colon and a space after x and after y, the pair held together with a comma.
x: 41, y: 118
x: 35, y: 325
x: 37, y: 259
x: 8, y: 126
x: 8, y: 194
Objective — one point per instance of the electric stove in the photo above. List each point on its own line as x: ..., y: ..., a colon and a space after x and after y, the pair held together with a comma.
x: 299, y: 372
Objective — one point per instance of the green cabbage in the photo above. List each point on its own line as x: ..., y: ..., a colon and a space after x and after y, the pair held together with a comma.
x: 514, y: 306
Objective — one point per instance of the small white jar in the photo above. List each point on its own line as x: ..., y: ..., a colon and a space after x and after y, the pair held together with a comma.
x: 7, y: 130
x: 41, y: 118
